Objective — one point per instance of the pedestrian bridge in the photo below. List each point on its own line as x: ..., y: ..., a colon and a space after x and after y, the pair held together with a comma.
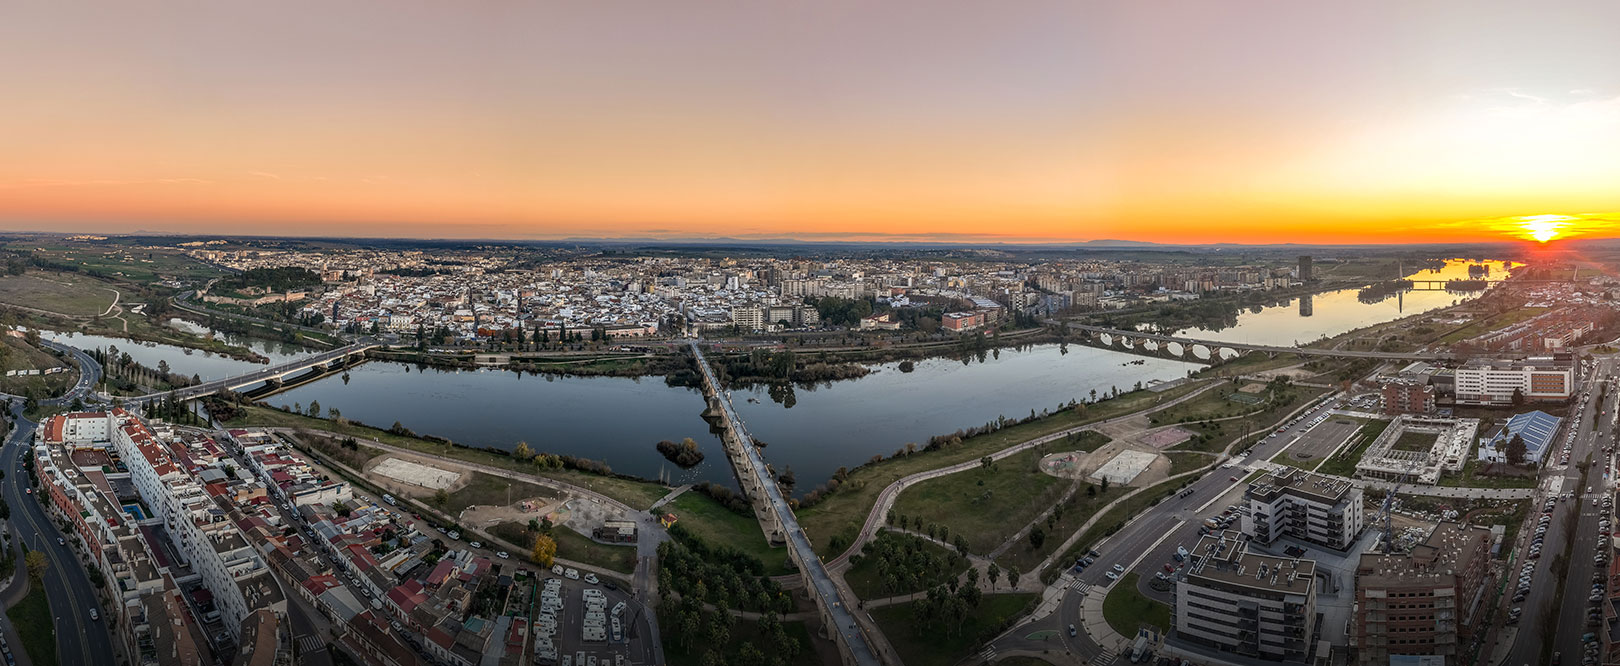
x: 325, y: 361
x: 780, y: 525
x: 1195, y: 349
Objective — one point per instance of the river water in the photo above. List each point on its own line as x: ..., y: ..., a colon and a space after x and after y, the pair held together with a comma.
x: 813, y: 430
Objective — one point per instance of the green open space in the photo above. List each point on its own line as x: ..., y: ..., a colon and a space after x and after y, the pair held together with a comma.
x: 932, y: 646
x: 113, y: 258
x: 65, y: 294
x: 716, y: 524
x: 985, y: 505
x: 31, y: 617
x: 17, y: 354
x: 489, y: 490
x: 574, y: 546
x: 1485, y: 325
x: 1218, y: 435
x: 679, y: 651
x: 1472, y: 476
x: 1126, y: 609
x: 635, y: 493
x: 834, y: 523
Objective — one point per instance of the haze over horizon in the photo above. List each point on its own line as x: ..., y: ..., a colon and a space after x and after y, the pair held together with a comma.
x: 1185, y: 122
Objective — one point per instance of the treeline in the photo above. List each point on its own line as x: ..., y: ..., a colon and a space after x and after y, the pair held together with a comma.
x: 725, y: 496
x: 716, y: 574
x: 762, y: 366
x: 125, y: 374
x: 906, y: 563
x: 686, y: 453
x: 282, y: 278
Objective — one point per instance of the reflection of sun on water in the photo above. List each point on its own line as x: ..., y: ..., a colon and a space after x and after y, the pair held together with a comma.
x: 1544, y: 228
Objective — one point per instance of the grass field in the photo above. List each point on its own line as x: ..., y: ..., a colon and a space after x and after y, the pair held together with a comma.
x: 491, y: 490
x: 917, y: 646
x: 1126, y: 609
x: 65, y: 294
x: 833, y: 524
x: 984, y: 505
x: 717, y: 525
x: 19, y: 355
x: 637, y: 494
x: 1415, y: 441
x: 110, y: 258
x: 32, y: 619
x: 579, y: 548
x: 1218, y: 434
x: 1471, y: 478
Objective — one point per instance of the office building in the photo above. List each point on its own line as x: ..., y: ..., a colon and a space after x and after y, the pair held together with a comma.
x: 1503, y: 382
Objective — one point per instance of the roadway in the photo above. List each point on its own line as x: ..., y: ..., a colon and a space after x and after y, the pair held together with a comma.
x: 810, y: 564
x: 1146, y: 543
x: 79, y: 640
x: 1571, y: 600
x: 257, y: 376
x: 1213, y: 345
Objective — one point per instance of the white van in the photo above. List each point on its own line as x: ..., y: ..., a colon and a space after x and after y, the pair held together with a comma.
x: 389, y: 499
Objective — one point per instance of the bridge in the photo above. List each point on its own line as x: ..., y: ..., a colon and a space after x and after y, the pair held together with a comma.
x: 781, y: 525
x: 1196, y: 349
x: 325, y: 361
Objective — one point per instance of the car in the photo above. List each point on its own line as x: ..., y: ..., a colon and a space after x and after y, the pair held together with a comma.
x: 475, y: 544
x: 556, y: 569
x: 1071, y: 629
x: 1111, y: 575
x: 503, y: 555
x: 95, y: 614
x: 453, y: 534
x: 1169, y: 569
x: 571, y: 574
x: 1119, y: 568
x: 60, y: 541
x: 1093, y: 553
x: 609, y: 585
x: 1234, y: 479
x: 592, y: 579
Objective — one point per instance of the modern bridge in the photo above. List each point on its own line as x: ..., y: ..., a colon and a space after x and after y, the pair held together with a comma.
x: 780, y: 524
x: 326, y: 360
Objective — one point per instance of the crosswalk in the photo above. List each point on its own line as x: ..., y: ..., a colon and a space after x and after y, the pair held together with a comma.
x: 1107, y: 658
x: 1080, y: 586
x: 309, y: 644
x: 988, y: 653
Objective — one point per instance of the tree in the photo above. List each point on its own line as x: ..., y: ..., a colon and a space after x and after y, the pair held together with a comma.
x: 315, y: 409
x: 522, y: 451
x: 37, y: 564
x: 545, y: 550
x: 1517, y: 452
x: 441, y: 498
x: 1013, y: 574
x: 994, y: 574
x: 1518, y: 397
x: 986, y: 462
x: 1037, y: 536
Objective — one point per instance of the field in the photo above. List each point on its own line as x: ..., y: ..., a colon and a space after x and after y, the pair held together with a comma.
x: 116, y: 260
x: 984, y: 505
x: 1487, y: 324
x: 933, y: 646
x: 717, y: 525
x: 17, y: 354
x: 1216, y: 435
x: 32, y: 619
x: 637, y: 494
x: 1126, y: 609
x: 489, y: 490
x: 833, y: 524
x: 579, y: 548
x: 64, y: 294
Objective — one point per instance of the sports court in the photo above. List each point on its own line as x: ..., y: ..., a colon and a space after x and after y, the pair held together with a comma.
x: 416, y: 474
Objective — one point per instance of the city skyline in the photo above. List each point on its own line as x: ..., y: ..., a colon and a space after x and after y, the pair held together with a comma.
x: 1247, y: 123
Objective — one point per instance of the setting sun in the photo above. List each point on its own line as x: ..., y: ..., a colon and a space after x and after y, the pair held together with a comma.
x: 1544, y: 228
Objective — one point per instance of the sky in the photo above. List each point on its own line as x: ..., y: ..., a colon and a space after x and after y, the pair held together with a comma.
x: 1169, y: 121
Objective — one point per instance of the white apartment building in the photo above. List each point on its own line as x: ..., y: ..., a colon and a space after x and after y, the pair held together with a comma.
x: 1494, y: 382
x: 1246, y: 603
x: 199, y: 527
x: 1310, y: 507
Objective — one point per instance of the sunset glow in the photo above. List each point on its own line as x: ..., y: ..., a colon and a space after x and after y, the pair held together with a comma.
x: 1243, y: 122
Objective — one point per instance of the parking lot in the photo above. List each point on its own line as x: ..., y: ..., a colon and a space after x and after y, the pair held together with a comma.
x: 1320, y: 441
x: 581, y: 632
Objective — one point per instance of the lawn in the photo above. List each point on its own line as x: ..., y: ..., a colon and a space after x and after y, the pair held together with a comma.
x: 637, y: 494
x: 1187, y: 461
x: 718, y: 526
x: 1126, y: 609
x: 1471, y: 478
x: 985, y: 504
x: 32, y: 619
x: 833, y: 523
x: 65, y: 294
x: 574, y: 546
x: 1415, y: 441
x: 1217, y: 435
x: 489, y: 490
x: 919, y: 646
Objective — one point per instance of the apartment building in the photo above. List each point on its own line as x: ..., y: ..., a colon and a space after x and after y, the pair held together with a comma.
x: 1424, y: 602
x: 1496, y: 382
x: 1309, y: 507
x: 1406, y: 396
x: 1246, y: 603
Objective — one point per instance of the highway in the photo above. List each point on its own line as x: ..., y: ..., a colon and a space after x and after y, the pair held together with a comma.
x: 810, y: 564
x: 1569, y: 597
x: 79, y: 640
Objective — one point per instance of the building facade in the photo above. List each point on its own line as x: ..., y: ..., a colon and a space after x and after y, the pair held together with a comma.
x: 1309, y: 507
x: 1424, y: 602
x: 1246, y: 603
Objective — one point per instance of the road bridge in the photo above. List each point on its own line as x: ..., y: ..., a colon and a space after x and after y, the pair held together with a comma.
x: 327, y: 360
x: 781, y: 525
x: 1202, y: 350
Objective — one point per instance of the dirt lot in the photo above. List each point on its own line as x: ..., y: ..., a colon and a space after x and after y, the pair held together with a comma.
x: 464, y: 475
x: 1080, y: 465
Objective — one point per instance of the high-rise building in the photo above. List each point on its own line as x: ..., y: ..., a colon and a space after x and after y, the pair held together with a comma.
x: 1310, y: 507
x: 1424, y: 602
x: 1247, y: 603
x: 1305, y: 267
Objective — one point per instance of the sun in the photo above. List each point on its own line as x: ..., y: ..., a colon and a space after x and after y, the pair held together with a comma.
x: 1544, y: 228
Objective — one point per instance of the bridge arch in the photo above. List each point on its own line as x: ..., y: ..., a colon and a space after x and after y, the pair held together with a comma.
x: 1200, y: 352
x: 1150, y: 345
x: 1176, y: 349
x: 1106, y: 338
x: 1228, y: 353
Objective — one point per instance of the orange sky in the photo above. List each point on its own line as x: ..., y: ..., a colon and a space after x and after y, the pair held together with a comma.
x: 1180, y: 122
